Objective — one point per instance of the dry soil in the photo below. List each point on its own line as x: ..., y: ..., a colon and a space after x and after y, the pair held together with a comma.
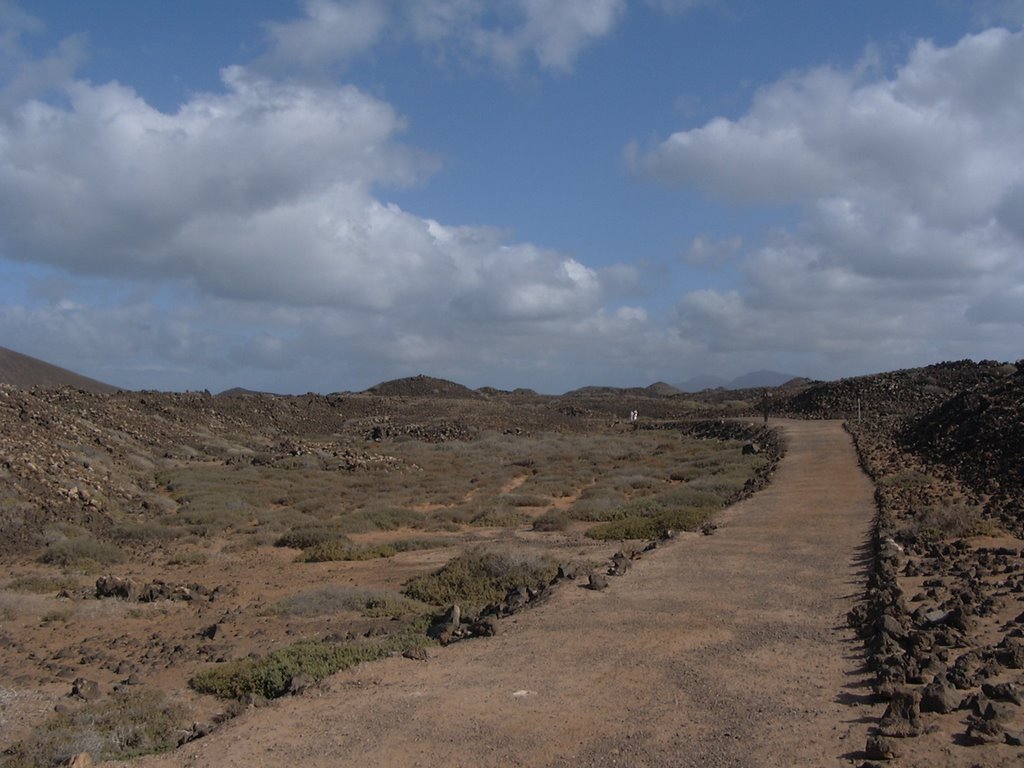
x: 721, y: 650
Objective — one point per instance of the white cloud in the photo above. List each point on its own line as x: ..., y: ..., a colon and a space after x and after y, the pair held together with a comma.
x: 989, y: 12
x: 21, y: 74
x: 509, y: 33
x: 908, y: 195
x: 264, y: 192
x: 556, y: 31
x: 262, y: 204
x: 679, y: 6
x: 329, y: 32
x: 706, y: 251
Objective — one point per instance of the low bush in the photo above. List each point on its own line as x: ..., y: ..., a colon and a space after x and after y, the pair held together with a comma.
x: 189, y: 558
x: 144, y: 532
x: 270, y: 676
x: 654, y: 525
x: 83, y: 553
x: 380, y: 519
x: 723, y: 484
x: 311, y: 536
x: 950, y: 519
x: 345, y: 550
x: 595, y: 507
x: 123, y: 726
x: 522, y: 500
x: 41, y: 585
x: 339, y: 599
x: 644, y: 506
x: 552, y: 520
x: 500, y: 517
x: 480, y: 577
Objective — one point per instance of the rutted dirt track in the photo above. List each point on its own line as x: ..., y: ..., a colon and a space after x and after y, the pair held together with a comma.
x: 723, y: 650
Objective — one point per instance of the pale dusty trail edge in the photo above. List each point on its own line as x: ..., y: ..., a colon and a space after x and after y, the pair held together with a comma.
x: 723, y: 650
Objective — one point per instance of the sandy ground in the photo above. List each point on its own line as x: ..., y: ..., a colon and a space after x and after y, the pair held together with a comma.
x: 722, y: 650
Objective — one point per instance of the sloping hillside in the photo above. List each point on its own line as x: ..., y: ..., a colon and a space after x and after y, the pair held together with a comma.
x: 416, y: 386
x: 979, y: 435
x: 897, y: 393
x: 23, y: 371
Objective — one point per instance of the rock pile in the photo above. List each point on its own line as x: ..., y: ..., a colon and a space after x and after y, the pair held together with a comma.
x: 979, y: 437
x: 943, y: 617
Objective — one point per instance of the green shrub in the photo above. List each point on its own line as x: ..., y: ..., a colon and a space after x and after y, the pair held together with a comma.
x: 189, y: 558
x: 723, y: 485
x: 522, y: 500
x: 477, y: 578
x: 339, y: 599
x: 132, y: 532
x: 688, y: 496
x: 83, y: 553
x: 271, y: 675
x: 552, y: 520
x: 625, y: 528
x: 380, y: 519
x: 311, y: 536
x: 596, y: 507
x: 41, y: 585
x: 123, y: 726
x: 345, y: 550
x: 644, y: 506
x: 652, y: 526
x: 500, y: 517
x: 950, y: 519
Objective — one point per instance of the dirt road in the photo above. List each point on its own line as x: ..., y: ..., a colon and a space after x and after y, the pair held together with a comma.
x: 723, y: 650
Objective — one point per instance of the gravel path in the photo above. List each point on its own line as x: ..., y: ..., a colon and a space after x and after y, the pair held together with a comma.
x: 723, y: 650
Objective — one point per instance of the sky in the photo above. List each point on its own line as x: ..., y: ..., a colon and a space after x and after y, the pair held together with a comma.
x: 321, y: 195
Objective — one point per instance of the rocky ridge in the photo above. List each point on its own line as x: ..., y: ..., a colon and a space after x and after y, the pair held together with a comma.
x: 943, y: 616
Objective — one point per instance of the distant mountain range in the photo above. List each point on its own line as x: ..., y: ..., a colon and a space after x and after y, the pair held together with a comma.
x: 24, y: 371
x: 746, y: 381
x: 21, y: 370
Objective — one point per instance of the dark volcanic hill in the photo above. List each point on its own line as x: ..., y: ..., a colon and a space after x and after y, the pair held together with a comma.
x: 897, y: 393
x: 421, y: 386
x: 20, y: 370
x: 243, y: 392
x: 979, y: 434
x: 657, y: 389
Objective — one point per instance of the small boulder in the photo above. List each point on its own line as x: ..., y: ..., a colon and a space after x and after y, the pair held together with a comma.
x: 114, y: 586
x: 620, y: 564
x: 416, y: 654
x: 1009, y: 692
x: 880, y: 747
x: 597, y: 582
x: 87, y: 690
x: 902, y: 717
x: 566, y: 573
x: 940, y: 696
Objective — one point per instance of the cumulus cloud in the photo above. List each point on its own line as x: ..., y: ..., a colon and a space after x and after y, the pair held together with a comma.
x: 21, y: 74
x: 329, y: 32
x: 263, y: 192
x: 678, y: 6
x: 908, y: 193
x: 264, y: 204
x: 509, y: 33
x: 707, y: 251
x: 989, y: 12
